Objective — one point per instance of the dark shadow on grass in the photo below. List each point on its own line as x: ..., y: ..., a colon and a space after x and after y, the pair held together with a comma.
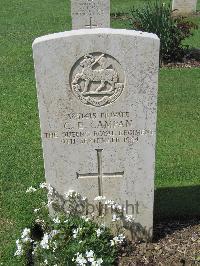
x: 175, y: 209
x: 177, y: 203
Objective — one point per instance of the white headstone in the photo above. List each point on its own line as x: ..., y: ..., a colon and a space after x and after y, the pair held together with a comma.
x: 182, y: 7
x: 97, y: 93
x: 90, y: 14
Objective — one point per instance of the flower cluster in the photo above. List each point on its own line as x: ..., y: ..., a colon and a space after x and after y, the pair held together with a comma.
x: 45, y: 241
x: 73, y: 195
x: 100, y: 198
x: 89, y: 257
x: 115, y: 218
x: 25, y: 238
x: 85, y: 218
x: 114, y: 206
x: 31, y: 189
x: 129, y: 218
x: 76, y: 232
x: 99, y: 231
x: 43, y: 186
x: 50, y: 190
x: 117, y: 240
x: 56, y: 220
x: 64, y: 235
x: 19, y: 251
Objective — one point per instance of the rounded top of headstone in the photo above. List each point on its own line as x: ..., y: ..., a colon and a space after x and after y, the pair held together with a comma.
x: 97, y: 31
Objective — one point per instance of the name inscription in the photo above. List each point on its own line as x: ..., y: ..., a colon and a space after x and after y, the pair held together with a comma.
x: 87, y: 128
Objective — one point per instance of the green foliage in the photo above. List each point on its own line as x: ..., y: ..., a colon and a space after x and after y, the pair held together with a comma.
x: 66, y: 239
x: 156, y: 17
x: 67, y: 245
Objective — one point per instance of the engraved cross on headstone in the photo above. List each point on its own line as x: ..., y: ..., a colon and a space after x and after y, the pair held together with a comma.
x: 100, y: 175
x: 91, y: 25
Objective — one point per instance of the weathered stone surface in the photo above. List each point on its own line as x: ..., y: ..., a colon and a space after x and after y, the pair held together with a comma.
x: 182, y: 7
x: 90, y: 14
x: 97, y: 105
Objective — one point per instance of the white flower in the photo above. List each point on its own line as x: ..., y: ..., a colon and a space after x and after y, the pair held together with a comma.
x: 115, y: 218
x: 19, y: 250
x: 121, y: 238
x: 109, y: 203
x: 90, y: 254
x: 75, y: 232
x: 98, y: 262
x: 31, y: 189
x: 43, y: 185
x: 25, y: 233
x: 100, y: 198
x: 25, y: 236
x: 45, y: 241
x: 55, y: 245
x: 35, y: 247
x: 39, y: 221
x: 117, y: 207
x: 66, y: 221
x: 36, y: 210
x: 112, y: 243
x: 129, y: 218
x: 56, y: 220
x: 70, y: 194
x: 50, y: 190
x: 99, y: 232
x: 117, y: 240
x: 84, y: 198
x: 46, y: 262
x: 81, y: 261
x: 85, y: 218
x: 92, y: 260
x: 54, y: 233
x: 50, y: 202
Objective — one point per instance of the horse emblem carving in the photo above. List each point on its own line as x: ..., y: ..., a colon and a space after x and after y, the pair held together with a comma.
x: 98, y: 82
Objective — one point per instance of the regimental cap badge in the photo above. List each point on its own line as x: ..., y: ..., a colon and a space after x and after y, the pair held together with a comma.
x: 97, y: 79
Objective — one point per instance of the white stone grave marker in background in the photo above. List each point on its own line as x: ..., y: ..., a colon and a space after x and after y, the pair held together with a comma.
x: 90, y: 14
x: 97, y: 93
x: 184, y: 7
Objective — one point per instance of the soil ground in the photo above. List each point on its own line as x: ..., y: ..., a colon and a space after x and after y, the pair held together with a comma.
x: 175, y: 244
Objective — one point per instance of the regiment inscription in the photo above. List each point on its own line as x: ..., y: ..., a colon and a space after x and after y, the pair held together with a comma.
x: 86, y: 128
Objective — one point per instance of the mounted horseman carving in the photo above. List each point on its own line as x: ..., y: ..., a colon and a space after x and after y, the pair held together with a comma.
x: 102, y: 75
x: 97, y: 79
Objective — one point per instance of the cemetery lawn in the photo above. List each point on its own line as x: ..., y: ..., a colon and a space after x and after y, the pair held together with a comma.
x: 178, y: 147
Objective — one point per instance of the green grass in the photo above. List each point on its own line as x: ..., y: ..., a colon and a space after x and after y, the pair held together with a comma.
x: 178, y: 146
x: 117, y: 6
